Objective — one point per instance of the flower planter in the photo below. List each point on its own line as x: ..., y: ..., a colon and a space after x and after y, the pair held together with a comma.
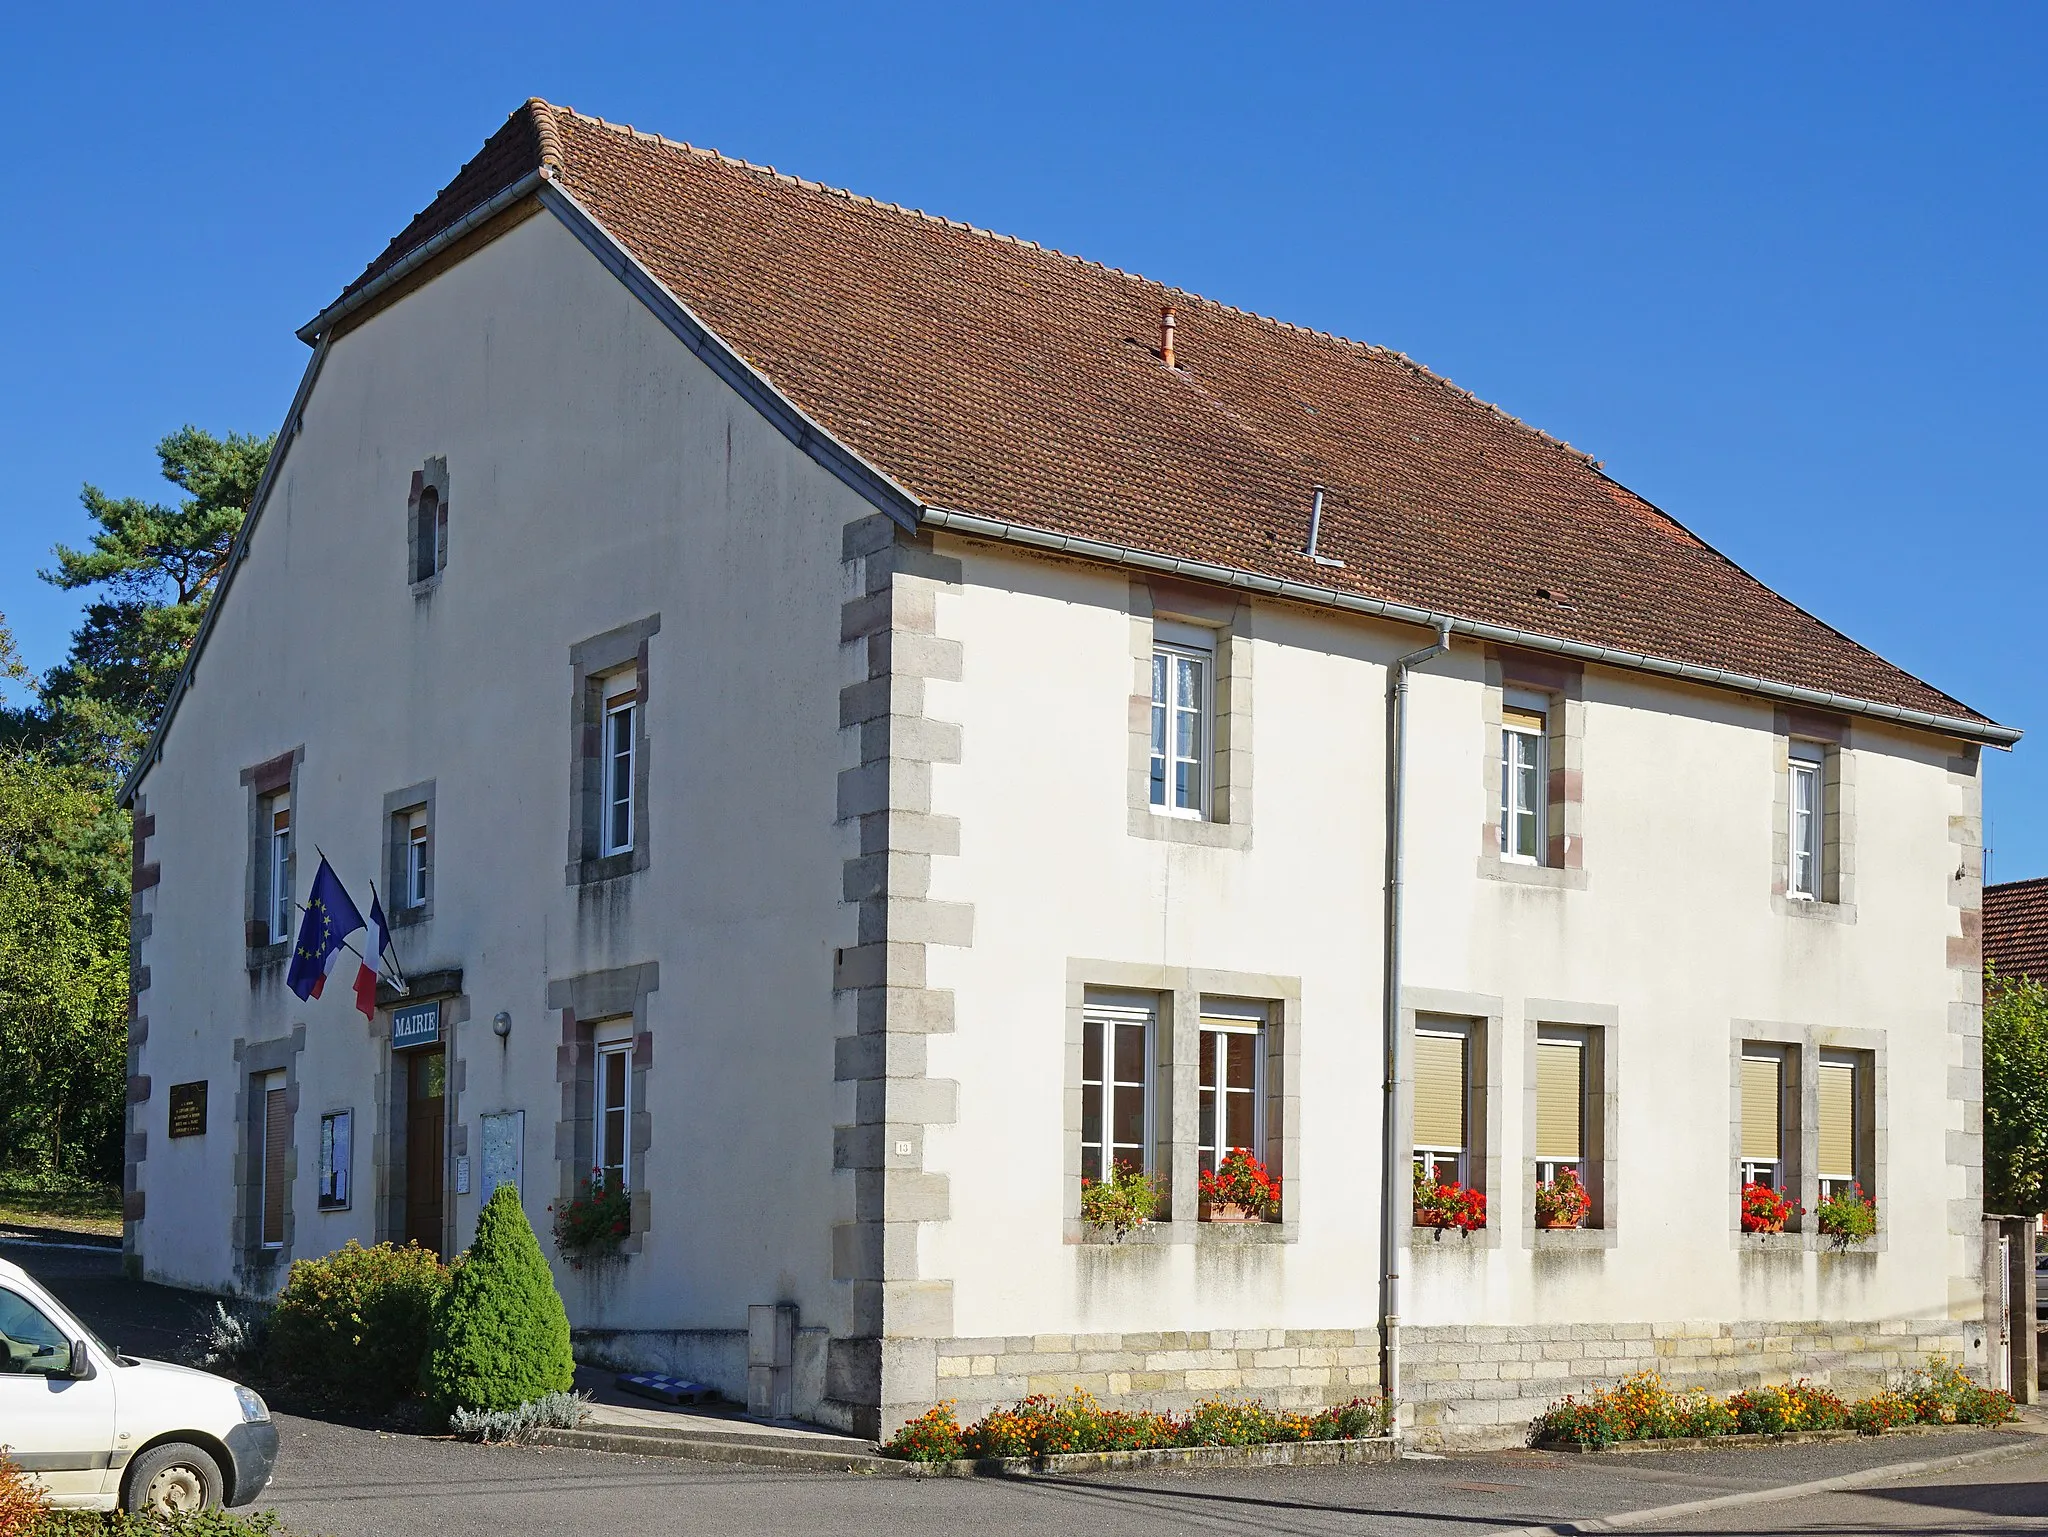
x: 1226, y: 1211
x: 1556, y: 1223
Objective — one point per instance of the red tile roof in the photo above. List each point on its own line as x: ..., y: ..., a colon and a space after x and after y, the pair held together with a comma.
x: 991, y: 376
x: 2016, y: 928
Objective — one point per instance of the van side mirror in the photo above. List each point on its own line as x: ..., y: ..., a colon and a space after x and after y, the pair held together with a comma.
x: 80, y: 1369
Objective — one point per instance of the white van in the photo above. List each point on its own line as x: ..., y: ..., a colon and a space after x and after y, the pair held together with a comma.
x: 102, y: 1431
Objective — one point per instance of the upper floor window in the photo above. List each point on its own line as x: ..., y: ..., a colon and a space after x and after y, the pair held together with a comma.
x: 1183, y: 693
x: 416, y: 858
x: 1524, y: 778
x: 620, y: 744
x: 276, y: 822
x: 430, y: 536
x: 1808, y: 776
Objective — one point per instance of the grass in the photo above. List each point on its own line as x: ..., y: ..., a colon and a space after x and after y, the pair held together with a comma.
x: 64, y: 1202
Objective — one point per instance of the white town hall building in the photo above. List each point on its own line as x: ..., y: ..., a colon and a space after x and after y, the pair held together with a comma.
x: 861, y: 723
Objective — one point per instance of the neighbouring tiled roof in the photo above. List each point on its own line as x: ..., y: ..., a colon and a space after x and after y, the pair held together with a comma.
x: 989, y: 375
x: 2016, y: 928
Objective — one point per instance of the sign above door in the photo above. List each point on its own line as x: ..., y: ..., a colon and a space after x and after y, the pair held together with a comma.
x: 418, y: 1024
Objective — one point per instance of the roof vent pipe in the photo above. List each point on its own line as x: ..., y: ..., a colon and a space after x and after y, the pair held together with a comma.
x: 1166, y: 336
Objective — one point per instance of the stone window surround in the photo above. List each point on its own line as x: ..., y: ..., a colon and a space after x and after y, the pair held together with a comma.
x: 434, y: 474
x: 590, y: 663
x: 419, y: 797
x: 259, y: 1270
x: 388, y: 1095
x: 1564, y: 681
x: 586, y: 1001
x: 1838, y: 816
x: 1484, y: 1140
x: 1229, y: 615
x: 1602, y: 1024
x: 263, y: 779
x: 1803, y: 1045
x: 1180, y: 991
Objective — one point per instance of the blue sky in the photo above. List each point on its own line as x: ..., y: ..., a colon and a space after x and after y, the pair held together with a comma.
x: 1780, y: 267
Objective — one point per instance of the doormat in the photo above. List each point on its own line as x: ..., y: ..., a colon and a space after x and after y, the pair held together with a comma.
x: 668, y: 1390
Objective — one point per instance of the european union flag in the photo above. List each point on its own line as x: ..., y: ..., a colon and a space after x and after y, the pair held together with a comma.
x: 330, y: 918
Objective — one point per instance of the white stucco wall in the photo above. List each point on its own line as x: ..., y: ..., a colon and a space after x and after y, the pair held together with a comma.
x: 598, y: 475
x: 1675, y: 931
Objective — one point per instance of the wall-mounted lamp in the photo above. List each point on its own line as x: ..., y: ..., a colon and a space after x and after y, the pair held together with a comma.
x: 501, y: 1024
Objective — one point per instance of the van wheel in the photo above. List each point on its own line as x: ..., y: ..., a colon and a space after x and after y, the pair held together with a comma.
x: 174, y: 1479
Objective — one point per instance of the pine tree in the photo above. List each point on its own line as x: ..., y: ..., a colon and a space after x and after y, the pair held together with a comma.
x: 502, y: 1335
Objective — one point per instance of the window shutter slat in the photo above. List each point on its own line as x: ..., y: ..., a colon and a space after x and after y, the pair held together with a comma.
x: 1837, y: 1120
x: 277, y: 1137
x: 1762, y: 1079
x: 1560, y: 1091
x: 1439, y: 1091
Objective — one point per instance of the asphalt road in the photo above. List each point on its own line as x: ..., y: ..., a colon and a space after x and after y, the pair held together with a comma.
x: 346, y: 1482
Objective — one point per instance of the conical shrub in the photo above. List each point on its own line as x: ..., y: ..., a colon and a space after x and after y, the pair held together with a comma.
x: 501, y: 1336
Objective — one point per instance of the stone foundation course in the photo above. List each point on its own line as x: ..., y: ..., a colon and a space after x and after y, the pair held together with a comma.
x: 1465, y: 1385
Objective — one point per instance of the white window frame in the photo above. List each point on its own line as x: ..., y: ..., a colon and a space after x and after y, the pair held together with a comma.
x: 417, y: 859
x: 277, y: 852
x: 615, y: 1041
x: 1449, y: 1164
x: 1174, y: 648
x: 1515, y: 740
x: 1225, y: 1017
x: 621, y: 719
x: 1806, y: 845
x: 1106, y: 1017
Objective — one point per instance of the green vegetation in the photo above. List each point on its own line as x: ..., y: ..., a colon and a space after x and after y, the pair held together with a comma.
x: 352, y: 1330
x: 1642, y: 1408
x: 2015, y: 1095
x: 501, y: 1332
x: 52, y: 1200
x: 25, y: 1512
x: 1124, y: 1201
x: 1040, y: 1426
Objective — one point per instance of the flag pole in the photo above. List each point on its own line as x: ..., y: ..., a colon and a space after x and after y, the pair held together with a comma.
x: 402, y: 984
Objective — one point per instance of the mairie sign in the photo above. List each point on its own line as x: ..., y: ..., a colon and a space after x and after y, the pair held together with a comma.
x: 417, y: 1025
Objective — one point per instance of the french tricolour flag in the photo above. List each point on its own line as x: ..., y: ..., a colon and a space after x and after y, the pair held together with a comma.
x: 376, y: 942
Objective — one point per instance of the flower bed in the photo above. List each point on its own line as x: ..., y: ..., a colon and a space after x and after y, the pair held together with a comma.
x: 1642, y: 1408
x: 1041, y: 1426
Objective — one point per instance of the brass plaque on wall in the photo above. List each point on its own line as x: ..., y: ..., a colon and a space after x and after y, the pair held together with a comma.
x: 188, y: 1109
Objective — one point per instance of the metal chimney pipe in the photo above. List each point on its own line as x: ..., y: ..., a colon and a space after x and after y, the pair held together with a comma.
x: 1166, y: 336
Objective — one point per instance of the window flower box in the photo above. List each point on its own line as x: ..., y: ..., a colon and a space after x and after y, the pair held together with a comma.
x: 1448, y: 1207
x: 1239, y: 1190
x: 1847, y: 1218
x: 1764, y: 1210
x: 1562, y: 1202
x: 1120, y: 1204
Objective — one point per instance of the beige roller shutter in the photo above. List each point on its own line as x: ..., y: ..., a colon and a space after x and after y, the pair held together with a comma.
x: 1837, y: 1120
x: 1439, y: 1090
x: 1762, y: 1080
x: 1560, y: 1097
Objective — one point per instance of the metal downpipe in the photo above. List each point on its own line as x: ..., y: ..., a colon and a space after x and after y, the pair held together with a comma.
x: 1394, y: 1176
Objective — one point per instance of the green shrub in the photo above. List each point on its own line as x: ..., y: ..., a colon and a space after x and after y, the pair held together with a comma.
x: 1124, y: 1201
x: 352, y: 1329
x: 203, y: 1523
x: 501, y: 1335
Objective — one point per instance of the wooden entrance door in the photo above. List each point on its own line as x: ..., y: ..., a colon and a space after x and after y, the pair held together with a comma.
x: 425, y: 1143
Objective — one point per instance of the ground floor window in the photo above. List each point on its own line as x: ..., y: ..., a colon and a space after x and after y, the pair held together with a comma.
x: 1117, y: 1088
x: 1443, y: 1062
x: 1232, y: 1081
x: 1560, y: 1105
x: 612, y: 1108
x: 1844, y: 1085
x: 1763, y: 1117
x: 275, y: 1100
